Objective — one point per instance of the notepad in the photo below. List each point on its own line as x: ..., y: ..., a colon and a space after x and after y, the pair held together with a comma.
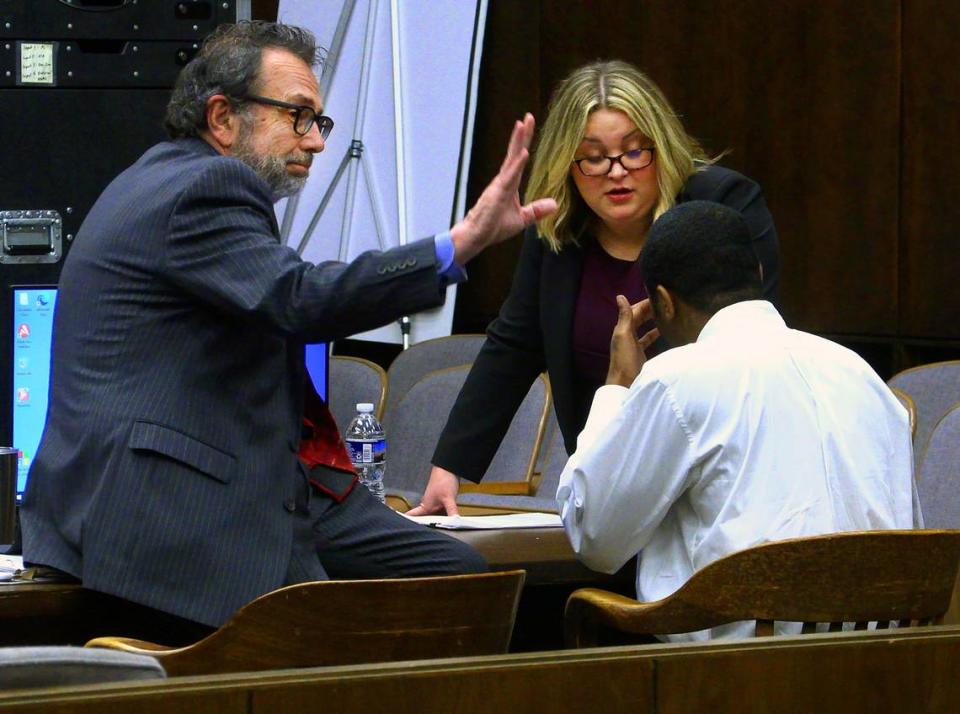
x: 510, y: 520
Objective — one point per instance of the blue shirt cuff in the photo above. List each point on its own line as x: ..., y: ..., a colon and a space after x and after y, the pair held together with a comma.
x: 447, y: 268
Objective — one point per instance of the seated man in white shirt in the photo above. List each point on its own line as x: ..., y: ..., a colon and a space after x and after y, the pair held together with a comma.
x: 746, y: 432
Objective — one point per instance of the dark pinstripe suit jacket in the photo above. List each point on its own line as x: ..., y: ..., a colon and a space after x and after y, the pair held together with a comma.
x: 175, y: 401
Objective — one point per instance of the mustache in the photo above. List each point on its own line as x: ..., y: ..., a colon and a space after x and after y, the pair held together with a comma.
x: 305, y: 158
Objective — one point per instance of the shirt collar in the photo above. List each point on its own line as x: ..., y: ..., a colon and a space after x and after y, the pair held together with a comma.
x: 742, y: 316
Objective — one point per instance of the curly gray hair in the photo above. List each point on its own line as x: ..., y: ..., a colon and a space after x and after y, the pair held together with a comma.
x: 228, y: 64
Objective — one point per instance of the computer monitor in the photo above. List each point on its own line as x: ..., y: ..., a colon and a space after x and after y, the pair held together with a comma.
x: 32, y: 332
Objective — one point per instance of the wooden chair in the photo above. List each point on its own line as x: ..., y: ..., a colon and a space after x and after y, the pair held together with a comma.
x: 859, y: 577
x: 350, y: 622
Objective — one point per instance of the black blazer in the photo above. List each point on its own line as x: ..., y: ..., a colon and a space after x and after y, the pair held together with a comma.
x: 168, y: 464
x: 534, y: 332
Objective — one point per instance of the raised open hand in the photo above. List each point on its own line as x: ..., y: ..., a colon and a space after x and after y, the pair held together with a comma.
x: 498, y: 213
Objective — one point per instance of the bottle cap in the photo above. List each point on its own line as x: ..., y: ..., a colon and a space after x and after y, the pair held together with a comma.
x: 364, y: 407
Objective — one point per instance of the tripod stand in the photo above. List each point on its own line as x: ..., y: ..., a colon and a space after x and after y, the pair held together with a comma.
x: 434, y: 66
x: 355, y: 159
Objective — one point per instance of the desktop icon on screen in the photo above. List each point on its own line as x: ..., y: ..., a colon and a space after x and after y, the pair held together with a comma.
x: 30, y: 335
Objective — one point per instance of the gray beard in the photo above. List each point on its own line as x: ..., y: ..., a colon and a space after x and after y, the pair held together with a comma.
x: 272, y: 169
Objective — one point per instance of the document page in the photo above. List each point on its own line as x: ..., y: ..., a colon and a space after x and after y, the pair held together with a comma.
x: 510, y: 520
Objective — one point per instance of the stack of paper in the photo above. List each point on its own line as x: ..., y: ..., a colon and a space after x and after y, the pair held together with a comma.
x: 9, y: 565
x: 510, y: 520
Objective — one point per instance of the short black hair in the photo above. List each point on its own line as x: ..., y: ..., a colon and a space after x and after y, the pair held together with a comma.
x: 702, y: 252
x: 229, y: 64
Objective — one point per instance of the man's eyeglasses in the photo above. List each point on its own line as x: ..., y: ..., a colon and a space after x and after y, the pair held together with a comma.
x: 630, y: 160
x: 304, y: 117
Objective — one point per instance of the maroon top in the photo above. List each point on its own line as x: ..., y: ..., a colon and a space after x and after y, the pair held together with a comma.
x: 603, y: 278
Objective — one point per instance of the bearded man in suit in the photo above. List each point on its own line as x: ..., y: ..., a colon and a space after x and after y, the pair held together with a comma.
x: 174, y: 470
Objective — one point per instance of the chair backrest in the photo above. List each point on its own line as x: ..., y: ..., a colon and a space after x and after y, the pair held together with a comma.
x: 415, y: 362
x: 938, y: 481
x: 354, y: 380
x: 907, y: 401
x: 543, y: 497
x: 414, y: 425
x: 859, y: 577
x: 934, y: 388
x: 351, y: 622
x: 554, y: 459
x: 27, y: 667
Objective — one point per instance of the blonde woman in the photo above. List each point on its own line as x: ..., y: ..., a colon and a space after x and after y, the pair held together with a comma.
x: 614, y: 156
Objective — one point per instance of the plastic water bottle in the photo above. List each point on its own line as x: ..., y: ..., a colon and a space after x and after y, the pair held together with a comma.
x: 368, y: 449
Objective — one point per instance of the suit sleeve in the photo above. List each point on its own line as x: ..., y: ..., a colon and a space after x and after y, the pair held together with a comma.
x: 509, y: 361
x: 223, y: 249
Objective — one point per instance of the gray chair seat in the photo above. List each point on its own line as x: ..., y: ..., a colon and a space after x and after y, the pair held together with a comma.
x: 27, y: 667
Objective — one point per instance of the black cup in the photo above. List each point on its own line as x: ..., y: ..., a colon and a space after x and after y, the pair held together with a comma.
x: 8, y: 494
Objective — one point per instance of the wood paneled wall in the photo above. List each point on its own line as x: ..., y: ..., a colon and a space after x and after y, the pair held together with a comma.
x: 844, y: 112
x: 930, y: 190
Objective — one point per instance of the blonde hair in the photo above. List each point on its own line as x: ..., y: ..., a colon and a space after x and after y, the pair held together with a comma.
x: 605, y: 85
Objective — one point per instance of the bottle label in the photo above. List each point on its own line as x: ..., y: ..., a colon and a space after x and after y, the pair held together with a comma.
x: 367, y: 451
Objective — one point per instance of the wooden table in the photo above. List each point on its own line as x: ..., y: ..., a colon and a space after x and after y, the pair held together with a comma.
x: 545, y: 554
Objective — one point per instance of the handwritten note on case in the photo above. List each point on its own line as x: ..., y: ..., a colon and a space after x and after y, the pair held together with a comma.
x: 36, y: 63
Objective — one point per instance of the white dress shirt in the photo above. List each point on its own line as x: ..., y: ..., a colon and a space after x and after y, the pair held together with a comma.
x: 753, y: 433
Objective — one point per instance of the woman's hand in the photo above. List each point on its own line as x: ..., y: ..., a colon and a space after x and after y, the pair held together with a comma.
x: 627, y: 351
x: 440, y: 495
